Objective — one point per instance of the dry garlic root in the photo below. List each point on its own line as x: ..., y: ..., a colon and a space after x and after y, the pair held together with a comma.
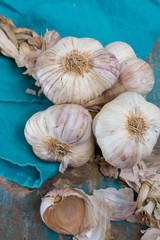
x: 62, y: 133
x: 76, y: 70
x: 127, y: 129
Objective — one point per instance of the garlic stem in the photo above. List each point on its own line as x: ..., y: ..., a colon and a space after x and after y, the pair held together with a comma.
x: 150, y: 207
x: 107, y: 96
x: 142, y: 195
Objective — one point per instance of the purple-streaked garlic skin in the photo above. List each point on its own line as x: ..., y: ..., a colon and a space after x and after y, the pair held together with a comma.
x: 136, y: 75
x: 127, y: 129
x: 122, y: 201
x: 121, y: 50
x: 62, y: 133
x: 76, y: 70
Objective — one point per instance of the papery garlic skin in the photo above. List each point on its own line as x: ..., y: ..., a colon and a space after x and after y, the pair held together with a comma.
x: 121, y: 50
x: 76, y: 70
x: 120, y: 200
x: 62, y: 133
x: 127, y: 129
x: 136, y: 75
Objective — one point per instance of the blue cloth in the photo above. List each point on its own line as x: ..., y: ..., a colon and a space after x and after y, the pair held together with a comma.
x: 135, y: 22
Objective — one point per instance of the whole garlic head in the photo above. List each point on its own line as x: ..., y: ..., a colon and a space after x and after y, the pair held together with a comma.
x: 121, y: 50
x: 136, y: 75
x: 127, y: 129
x: 62, y: 133
x: 76, y: 70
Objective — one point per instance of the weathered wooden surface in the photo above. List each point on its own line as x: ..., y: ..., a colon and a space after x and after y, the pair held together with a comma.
x: 19, y: 206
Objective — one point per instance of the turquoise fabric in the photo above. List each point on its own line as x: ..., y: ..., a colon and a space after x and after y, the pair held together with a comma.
x: 135, y: 22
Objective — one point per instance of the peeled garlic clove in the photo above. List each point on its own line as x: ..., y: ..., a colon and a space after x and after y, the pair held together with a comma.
x: 121, y: 50
x: 70, y: 208
x: 62, y: 133
x: 136, y: 75
x: 151, y: 234
x: 63, y: 211
x: 76, y: 70
x: 127, y: 129
x: 71, y: 211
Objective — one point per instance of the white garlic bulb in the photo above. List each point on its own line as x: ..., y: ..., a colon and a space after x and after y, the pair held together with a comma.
x: 136, y: 75
x: 62, y: 133
x: 71, y: 211
x: 121, y: 50
x: 76, y: 70
x: 127, y: 129
x: 151, y: 234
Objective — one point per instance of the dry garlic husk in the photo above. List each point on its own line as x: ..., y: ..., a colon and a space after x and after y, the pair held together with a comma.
x: 71, y: 211
x: 120, y: 200
x: 127, y: 129
x: 121, y: 50
x: 136, y: 75
x: 76, y: 70
x: 24, y: 45
x: 62, y: 133
x: 151, y: 234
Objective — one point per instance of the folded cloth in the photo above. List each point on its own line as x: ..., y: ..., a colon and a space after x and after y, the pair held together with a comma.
x: 135, y: 22
x: 17, y: 160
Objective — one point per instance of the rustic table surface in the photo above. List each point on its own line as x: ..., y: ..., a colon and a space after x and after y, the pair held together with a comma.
x: 19, y: 206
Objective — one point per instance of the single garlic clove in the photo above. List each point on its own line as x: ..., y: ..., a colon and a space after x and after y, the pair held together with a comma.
x: 62, y: 133
x: 136, y: 75
x: 121, y: 50
x: 76, y: 70
x: 65, y: 216
x: 71, y: 211
x: 121, y: 201
x: 127, y: 129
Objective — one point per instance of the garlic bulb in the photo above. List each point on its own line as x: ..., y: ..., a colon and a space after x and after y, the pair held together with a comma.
x: 151, y: 234
x: 62, y: 133
x: 127, y: 129
x: 71, y: 211
x: 76, y: 70
x: 136, y: 75
x: 121, y: 50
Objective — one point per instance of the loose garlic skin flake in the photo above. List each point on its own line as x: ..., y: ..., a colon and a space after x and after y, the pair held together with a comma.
x: 62, y: 133
x: 121, y: 50
x: 127, y: 129
x: 76, y: 70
